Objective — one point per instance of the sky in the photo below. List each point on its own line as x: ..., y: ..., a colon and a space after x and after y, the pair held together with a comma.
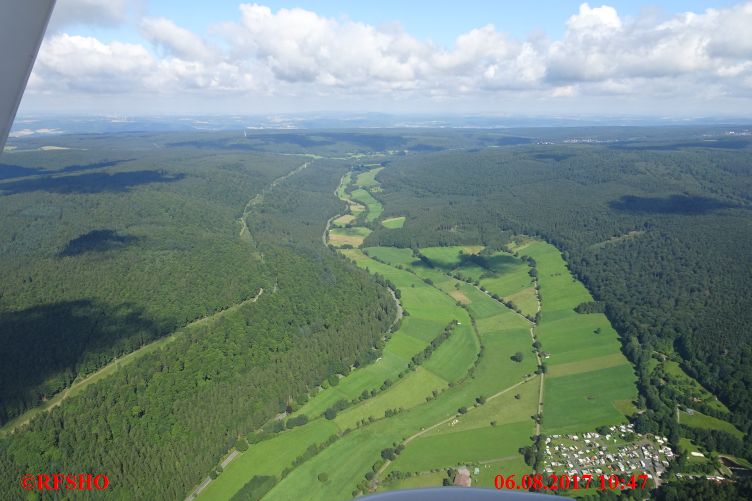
x: 563, y: 58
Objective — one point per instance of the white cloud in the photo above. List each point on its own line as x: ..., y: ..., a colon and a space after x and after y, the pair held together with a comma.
x: 598, y: 46
x: 296, y: 52
x: 177, y: 41
x: 85, y: 64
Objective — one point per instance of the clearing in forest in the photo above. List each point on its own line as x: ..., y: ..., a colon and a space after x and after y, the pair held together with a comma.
x: 394, y: 222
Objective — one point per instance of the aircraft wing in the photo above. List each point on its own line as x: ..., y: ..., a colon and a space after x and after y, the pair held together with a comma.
x: 22, y: 27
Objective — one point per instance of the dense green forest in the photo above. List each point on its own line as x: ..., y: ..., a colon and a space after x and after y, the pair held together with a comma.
x: 662, y: 235
x: 158, y: 425
x: 103, y: 256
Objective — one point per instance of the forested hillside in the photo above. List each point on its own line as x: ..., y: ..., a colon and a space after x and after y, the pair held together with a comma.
x: 107, y: 251
x: 662, y: 234
x: 159, y: 424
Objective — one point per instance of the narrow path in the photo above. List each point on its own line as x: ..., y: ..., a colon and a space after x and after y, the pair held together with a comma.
x: 259, y: 198
x: 326, y: 230
x: 400, y: 311
x: 230, y: 457
x: 79, y: 384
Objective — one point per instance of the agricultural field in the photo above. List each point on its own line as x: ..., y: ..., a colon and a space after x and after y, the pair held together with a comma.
x: 430, y: 479
x: 353, y: 236
x: 589, y: 382
x: 373, y: 206
x: 697, y: 419
x: 584, y: 401
x: 430, y: 312
x: 500, y: 273
x: 513, y: 407
x: 269, y: 457
x: 343, y: 220
x: 467, y: 446
x: 368, y: 179
x: 394, y: 222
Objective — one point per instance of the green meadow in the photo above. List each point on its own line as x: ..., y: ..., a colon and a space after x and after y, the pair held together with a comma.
x: 451, y: 257
x: 700, y: 420
x: 589, y: 382
x: 504, y: 409
x: 584, y: 401
x: 408, y: 392
x: 467, y: 446
x: 342, y: 188
x: 269, y: 457
x: 513, y: 465
x: 392, y: 255
x: 372, y: 205
x: 368, y: 179
x: 500, y: 273
x: 430, y: 312
x: 343, y: 220
x: 394, y: 222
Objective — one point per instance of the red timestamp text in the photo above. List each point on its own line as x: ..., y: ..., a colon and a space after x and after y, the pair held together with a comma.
x: 571, y: 482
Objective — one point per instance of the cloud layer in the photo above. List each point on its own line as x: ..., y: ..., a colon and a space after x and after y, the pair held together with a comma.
x: 293, y: 52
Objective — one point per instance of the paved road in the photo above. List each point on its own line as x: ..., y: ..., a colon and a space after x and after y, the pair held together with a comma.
x: 208, y: 480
